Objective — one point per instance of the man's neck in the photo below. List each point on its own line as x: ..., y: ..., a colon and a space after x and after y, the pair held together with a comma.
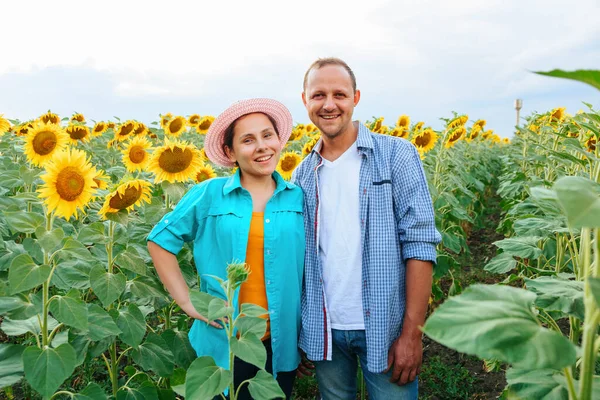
x: 333, y: 148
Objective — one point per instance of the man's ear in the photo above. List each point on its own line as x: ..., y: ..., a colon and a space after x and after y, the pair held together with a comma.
x: 356, y: 97
x: 304, y: 98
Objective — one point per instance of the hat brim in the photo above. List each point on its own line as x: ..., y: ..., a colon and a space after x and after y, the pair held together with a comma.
x: 213, y: 143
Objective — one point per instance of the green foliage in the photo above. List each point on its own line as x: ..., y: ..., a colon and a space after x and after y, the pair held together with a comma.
x: 446, y: 381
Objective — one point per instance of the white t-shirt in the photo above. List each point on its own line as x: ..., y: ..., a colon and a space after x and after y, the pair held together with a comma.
x: 340, y: 248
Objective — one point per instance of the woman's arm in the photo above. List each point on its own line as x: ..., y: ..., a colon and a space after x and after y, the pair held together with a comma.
x: 170, y: 275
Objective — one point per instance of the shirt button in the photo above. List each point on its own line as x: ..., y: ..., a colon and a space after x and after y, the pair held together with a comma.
x: 268, y: 282
x: 267, y: 220
x: 268, y: 252
x: 166, y: 221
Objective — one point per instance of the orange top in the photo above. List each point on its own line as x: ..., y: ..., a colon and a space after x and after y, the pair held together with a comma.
x: 254, y: 290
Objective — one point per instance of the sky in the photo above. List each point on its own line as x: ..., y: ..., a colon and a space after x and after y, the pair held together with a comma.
x: 138, y: 59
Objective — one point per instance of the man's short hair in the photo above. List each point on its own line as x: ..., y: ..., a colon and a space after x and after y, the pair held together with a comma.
x: 321, y: 62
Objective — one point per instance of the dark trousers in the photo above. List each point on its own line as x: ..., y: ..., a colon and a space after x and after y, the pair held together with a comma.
x: 243, y: 371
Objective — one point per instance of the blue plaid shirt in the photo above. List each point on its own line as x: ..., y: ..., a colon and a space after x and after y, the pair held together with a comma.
x: 397, y: 223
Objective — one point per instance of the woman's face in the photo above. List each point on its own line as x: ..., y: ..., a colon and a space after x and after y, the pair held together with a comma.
x: 255, y: 146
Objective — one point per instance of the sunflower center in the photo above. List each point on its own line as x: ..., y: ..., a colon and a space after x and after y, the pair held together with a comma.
x: 456, y: 135
x: 201, y: 176
x: 288, y: 164
x: 591, y: 144
x: 194, y: 119
x: 121, y: 202
x: 423, y: 140
x: 77, y: 132
x: 137, y: 154
x: 44, y: 142
x: 140, y: 129
x: 126, y: 129
x: 205, y: 124
x: 175, y: 160
x: 175, y: 125
x: 98, y: 128
x: 69, y: 183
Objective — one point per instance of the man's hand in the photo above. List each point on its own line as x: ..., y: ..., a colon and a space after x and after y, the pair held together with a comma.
x: 305, y: 368
x: 405, y: 358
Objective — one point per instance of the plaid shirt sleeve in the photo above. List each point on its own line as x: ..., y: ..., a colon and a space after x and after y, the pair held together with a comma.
x: 414, y: 211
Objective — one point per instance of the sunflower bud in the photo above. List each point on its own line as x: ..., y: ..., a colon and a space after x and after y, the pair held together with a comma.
x: 237, y: 274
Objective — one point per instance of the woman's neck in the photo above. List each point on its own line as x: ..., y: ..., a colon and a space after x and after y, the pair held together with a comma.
x: 255, y: 184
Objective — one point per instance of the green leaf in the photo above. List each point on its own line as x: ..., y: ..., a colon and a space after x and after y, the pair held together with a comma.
x: 174, y: 190
x: 69, y: 311
x: 558, y: 295
x: 451, y: 241
x: 145, y: 288
x: 73, y: 274
x: 24, y: 222
x: 31, y: 304
x: 92, y: 234
x: 91, y: 392
x: 249, y: 348
x: 589, y: 76
x: 217, y: 309
x: 11, y: 364
x: 100, y: 324
x: 264, y: 386
x: 524, y: 247
x: 200, y: 301
x: 108, y: 287
x: 253, y: 325
x: 579, y: 198
x: 146, y: 391
x: 121, y: 217
x: 154, y: 355
x: 178, y: 381
x: 499, y: 322
x: 20, y: 327
x: 205, y: 379
x: 179, y: 343
x: 595, y: 288
x: 501, y: 264
x: 131, y: 260
x: 46, y: 369
x: 74, y: 250
x: 252, y: 310
x: 12, y: 303
x: 538, y: 384
x: 132, y: 324
x: 49, y: 240
x: 24, y: 274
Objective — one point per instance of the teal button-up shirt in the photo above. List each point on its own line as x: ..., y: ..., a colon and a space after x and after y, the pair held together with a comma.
x: 215, y: 215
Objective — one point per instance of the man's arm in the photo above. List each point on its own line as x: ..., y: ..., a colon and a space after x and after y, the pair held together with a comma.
x: 406, y: 354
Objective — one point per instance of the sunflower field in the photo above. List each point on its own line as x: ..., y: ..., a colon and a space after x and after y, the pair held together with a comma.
x: 84, y: 316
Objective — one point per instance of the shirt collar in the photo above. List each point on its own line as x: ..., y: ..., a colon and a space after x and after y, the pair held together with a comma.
x: 234, y: 182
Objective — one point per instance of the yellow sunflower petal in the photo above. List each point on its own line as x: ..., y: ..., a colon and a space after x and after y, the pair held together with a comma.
x: 288, y: 163
x: 43, y: 141
x: 127, y: 196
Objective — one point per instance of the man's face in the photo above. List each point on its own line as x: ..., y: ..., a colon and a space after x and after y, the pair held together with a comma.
x: 330, y: 100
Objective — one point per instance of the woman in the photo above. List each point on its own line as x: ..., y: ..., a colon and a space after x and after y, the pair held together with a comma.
x: 253, y: 215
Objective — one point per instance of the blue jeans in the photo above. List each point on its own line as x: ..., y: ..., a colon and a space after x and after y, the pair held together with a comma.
x: 337, y: 378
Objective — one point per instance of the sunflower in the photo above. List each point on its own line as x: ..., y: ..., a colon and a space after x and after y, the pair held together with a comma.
x: 297, y: 132
x: 175, y: 162
x: 310, y: 128
x: 400, y: 132
x: 135, y: 154
x: 164, y: 120
x: 425, y: 140
x: 506, y: 140
x: 176, y: 126
x: 78, y: 133
x: 77, y: 117
x: 403, y: 121
x: 454, y: 136
x: 534, y: 128
x: 68, y: 183
x: 308, y: 146
x: 101, y: 180
x: 43, y: 141
x: 487, y: 134
x: 4, y: 125
x: 205, y: 172
x: 123, y: 131
x: 140, y: 130
x: 99, y: 128
x: 474, y: 133
x: 203, y: 156
x: 111, y: 125
x: 458, y: 121
x: 377, y: 124
x: 193, y: 120
x: 480, y: 123
x: 496, y: 138
x: 23, y: 129
x: 418, y: 126
x: 591, y: 143
x: 204, y: 124
x: 127, y: 196
x: 288, y: 163
x: 557, y: 115
x: 50, y: 118
x: 384, y: 130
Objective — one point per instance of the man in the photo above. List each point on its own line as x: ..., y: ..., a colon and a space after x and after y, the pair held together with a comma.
x: 370, y: 246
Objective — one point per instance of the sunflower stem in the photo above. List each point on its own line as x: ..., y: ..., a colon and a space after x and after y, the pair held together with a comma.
x: 109, y: 245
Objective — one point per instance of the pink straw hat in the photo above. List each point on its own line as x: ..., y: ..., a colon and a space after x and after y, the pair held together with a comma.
x: 213, y: 144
